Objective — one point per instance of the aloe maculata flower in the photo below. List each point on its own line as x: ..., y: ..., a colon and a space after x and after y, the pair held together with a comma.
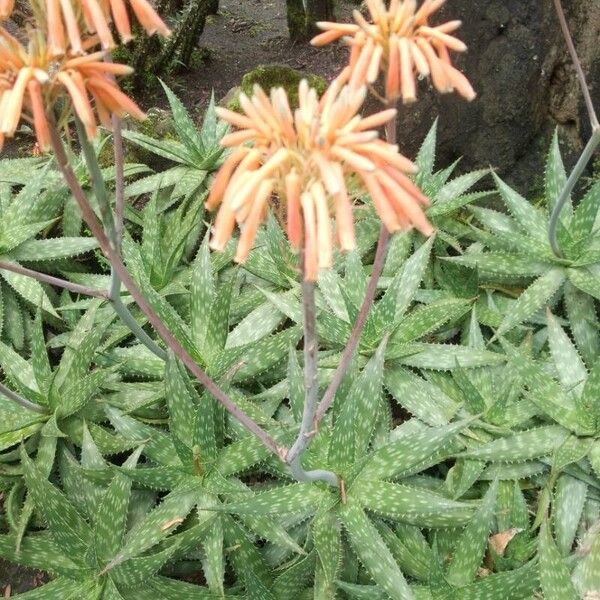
x: 32, y: 80
x: 400, y: 42
x: 67, y: 22
x: 304, y: 157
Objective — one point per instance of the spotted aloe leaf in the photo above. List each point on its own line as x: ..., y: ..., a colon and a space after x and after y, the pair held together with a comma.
x: 524, y: 445
x: 586, y: 575
x: 554, y: 573
x: 442, y: 357
x: 472, y: 543
x: 532, y: 299
x: 408, y: 547
x: 354, y: 426
x: 556, y: 179
x: 294, y: 498
x: 373, y: 553
x: 69, y: 529
x: 410, y: 504
x: 569, y: 500
x: 581, y: 312
x: 408, y: 451
x: 420, y: 397
x: 529, y: 218
x: 571, y: 369
x: 328, y: 546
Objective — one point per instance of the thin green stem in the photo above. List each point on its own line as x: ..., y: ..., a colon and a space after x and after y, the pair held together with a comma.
x: 562, y: 199
x: 99, y: 186
x: 17, y: 399
x: 61, y: 283
x: 311, y: 386
x: 129, y: 320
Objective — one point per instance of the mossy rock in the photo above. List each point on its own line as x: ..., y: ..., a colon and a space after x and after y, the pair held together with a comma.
x: 270, y: 76
x: 159, y: 125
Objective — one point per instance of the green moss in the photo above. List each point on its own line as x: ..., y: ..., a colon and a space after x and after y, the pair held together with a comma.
x: 270, y: 76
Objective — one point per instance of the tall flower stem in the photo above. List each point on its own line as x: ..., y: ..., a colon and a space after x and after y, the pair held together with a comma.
x: 592, y: 144
x: 169, y: 339
x: 17, y: 399
x: 365, y: 309
x: 311, y: 386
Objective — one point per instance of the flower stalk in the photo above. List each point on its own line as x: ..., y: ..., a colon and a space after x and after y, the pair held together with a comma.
x: 311, y: 386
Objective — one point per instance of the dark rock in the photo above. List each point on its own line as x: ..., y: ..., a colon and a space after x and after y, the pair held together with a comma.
x: 519, y: 65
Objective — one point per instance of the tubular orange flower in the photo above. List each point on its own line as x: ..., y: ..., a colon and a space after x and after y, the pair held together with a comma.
x: 6, y: 9
x: 303, y: 158
x: 71, y: 17
x: 400, y: 43
x: 32, y: 79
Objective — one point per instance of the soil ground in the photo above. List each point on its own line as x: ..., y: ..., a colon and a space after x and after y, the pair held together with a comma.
x: 248, y: 33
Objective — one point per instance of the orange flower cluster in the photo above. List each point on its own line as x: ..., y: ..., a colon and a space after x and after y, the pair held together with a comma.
x: 304, y: 157
x: 33, y: 79
x: 65, y: 20
x: 402, y: 44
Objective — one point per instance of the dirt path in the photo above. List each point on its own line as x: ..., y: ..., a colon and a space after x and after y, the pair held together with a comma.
x: 248, y: 33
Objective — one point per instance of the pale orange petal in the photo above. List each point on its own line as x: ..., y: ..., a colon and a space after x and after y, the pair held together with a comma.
x: 392, y: 82
x: 325, y: 244
x: 438, y: 75
x: 388, y: 154
x: 406, y: 203
x: 234, y: 118
x: 294, y: 216
x: 376, y: 120
x: 14, y: 103
x: 343, y: 216
x: 356, y: 161
x: 223, y: 177
x: 238, y: 137
x: 124, y: 103
x: 223, y: 227
x: 448, y: 40
x: 121, y: 20
x: 56, y: 31
x: 327, y: 37
x: 99, y: 23
x: 408, y: 85
x: 72, y: 26
x: 149, y: 18
x: 250, y: 226
x: 311, y: 264
x: 382, y: 205
x: 40, y: 123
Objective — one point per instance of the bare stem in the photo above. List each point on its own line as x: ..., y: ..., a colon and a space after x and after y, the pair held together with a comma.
x: 590, y: 147
x: 17, y: 399
x: 114, y: 258
x: 578, y: 68
x: 311, y: 385
x: 61, y: 283
x: 119, y: 179
x: 365, y: 309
